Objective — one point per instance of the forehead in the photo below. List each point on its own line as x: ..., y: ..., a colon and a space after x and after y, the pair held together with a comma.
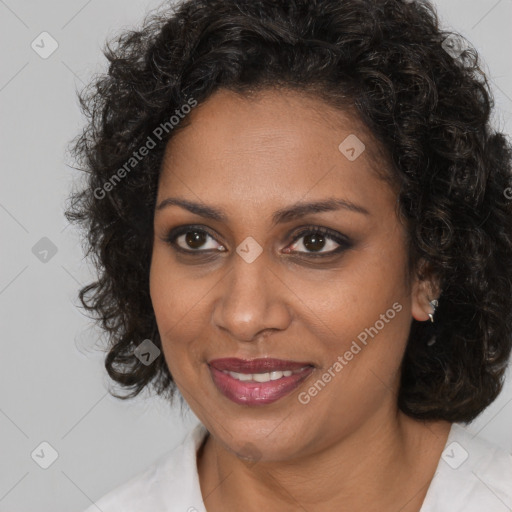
x: 272, y: 147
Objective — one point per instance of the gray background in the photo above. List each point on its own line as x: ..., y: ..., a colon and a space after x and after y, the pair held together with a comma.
x: 53, y: 386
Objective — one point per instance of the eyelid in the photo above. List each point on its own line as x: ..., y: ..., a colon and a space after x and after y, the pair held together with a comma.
x: 343, y: 241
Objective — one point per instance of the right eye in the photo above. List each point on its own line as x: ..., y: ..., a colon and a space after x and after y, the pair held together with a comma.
x: 191, y: 239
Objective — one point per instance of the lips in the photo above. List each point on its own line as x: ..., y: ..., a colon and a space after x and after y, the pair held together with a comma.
x: 278, y: 378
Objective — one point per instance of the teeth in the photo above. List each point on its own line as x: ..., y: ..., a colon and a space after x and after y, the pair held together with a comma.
x: 262, y: 377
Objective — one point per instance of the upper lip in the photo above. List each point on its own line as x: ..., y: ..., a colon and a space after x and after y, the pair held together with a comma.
x: 263, y: 365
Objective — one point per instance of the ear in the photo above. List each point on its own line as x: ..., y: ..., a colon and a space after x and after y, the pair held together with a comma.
x: 425, y: 287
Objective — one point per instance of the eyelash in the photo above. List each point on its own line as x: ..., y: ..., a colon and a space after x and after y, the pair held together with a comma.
x: 344, y: 242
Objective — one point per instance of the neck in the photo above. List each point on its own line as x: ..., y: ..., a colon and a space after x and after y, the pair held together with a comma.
x: 386, y: 464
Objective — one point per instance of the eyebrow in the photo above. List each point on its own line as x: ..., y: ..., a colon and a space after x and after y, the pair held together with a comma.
x: 281, y: 216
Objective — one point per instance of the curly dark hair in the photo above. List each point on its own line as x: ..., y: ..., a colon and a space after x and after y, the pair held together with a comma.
x: 429, y: 108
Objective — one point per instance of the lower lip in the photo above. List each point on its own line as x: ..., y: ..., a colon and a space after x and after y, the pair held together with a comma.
x: 257, y: 393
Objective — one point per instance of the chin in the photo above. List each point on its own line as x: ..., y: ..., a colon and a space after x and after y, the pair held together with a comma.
x: 260, y: 441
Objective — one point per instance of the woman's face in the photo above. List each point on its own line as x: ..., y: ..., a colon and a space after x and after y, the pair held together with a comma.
x: 253, y: 286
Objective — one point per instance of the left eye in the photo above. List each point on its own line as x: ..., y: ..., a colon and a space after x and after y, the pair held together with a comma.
x: 314, y: 239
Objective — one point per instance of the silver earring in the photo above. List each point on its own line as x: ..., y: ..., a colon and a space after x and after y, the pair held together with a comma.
x: 434, y: 303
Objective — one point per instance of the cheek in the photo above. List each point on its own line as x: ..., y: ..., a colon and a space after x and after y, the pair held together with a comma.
x: 367, y: 328
x: 348, y: 301
x: 177, y: 306
x: 174, y: 294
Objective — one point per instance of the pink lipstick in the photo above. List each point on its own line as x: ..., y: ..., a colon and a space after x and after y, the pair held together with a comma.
x: 257, y: 381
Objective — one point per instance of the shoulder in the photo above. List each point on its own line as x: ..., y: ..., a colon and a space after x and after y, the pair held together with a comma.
x: 472, y: 475
x: 171, y: 481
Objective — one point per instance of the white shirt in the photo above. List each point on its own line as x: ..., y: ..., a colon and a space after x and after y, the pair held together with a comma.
x: 472, y: 475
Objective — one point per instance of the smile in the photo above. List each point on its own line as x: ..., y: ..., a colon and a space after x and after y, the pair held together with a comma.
x: 258, y: 388
x: 262, y: 377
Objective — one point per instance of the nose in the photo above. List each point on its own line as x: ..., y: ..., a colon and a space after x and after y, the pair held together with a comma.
x: 252, y: 299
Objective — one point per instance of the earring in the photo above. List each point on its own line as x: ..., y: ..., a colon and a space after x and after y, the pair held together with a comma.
x: 434, y: 303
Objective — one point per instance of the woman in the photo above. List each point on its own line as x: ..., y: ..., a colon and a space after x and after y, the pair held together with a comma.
x: 299, y: 214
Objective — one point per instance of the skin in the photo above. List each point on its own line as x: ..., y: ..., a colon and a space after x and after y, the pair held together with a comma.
x: 349, y: 448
